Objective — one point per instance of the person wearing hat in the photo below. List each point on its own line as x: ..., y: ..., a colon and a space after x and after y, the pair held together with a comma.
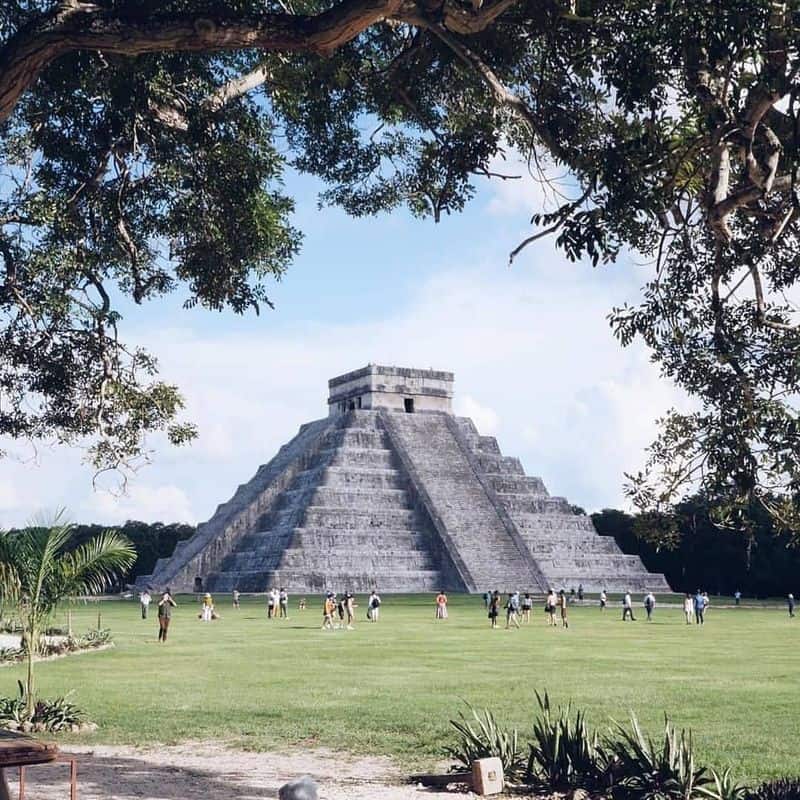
x: 165, y: 606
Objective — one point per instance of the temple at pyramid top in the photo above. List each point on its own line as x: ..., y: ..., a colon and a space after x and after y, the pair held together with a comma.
x: 393, y: 491
x: 394, y: 388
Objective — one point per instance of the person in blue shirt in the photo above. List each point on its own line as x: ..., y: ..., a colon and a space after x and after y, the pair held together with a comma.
x: 699, y: 608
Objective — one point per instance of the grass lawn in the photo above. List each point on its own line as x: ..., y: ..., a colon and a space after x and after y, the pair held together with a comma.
x: 392, y: 687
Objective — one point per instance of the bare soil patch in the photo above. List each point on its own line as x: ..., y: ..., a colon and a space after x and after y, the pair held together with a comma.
x: 204, y: 770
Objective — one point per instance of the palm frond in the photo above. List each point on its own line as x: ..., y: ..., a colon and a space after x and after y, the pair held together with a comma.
x: 90, y: 567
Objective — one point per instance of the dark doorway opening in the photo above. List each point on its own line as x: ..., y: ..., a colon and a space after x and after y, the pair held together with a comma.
x: 198, y: 584
x: 408, y: 402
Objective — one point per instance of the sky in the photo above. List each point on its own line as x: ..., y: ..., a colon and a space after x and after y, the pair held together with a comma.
x: 535, y: 361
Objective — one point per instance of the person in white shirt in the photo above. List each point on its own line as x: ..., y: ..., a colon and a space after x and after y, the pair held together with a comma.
x: 144, y: 602
x: 374, y: 606
x: 688, y: 608
x: 603, y: 600
x: 649, y: 604
x: 627, y: 608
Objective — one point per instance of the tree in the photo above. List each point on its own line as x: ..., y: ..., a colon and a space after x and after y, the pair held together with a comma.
x: 39, y: 570
x: 143, y: 150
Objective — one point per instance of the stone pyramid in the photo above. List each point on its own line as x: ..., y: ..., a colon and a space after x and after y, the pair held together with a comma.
x: 392, y: 491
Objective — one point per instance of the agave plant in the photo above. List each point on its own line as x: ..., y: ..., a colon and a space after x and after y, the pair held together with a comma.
x: 40, y: 568
x: 565, y: 753
x: 646, y: 770
x: 480, y: 736
x: 723, y: 786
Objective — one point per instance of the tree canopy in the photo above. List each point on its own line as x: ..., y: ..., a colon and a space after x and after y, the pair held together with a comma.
x: 143, y: 143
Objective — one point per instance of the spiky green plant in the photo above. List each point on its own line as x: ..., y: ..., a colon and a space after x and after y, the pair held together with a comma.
x: 480, y: 736
x: 39, y: 569
x: 565, y: 753
x: 722, y: 786
x: 782, y: 789
x: 646, y: 770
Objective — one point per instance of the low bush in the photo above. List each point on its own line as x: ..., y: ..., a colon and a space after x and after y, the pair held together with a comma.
x: 51, y: 716
x: 783, y: 789
x: 564, y: 753
x: 91, y: 639
x: 479, y: 736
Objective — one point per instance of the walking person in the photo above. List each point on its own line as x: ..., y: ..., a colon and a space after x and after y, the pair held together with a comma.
x: 441, y: 605
x: 527, y: 605
x: 494, y: 608
x: 580, y: 592
x: 271, y: 603
x: 349, y: 607
x: 487, y: 596
x: 649, y: 605
x: 236, y: 598
x: 374, y: 606
x: 699, y: 608
x: 737, y: 598
x: 627, y: 607
x: 562, y: 604
x: 512, y: 609
x: 165, y: 606
x: 328, y: 609
x: 144, y: 602
x: 603, y: 600
x: 790, y: 603
x: 283, y: 602
x: 550, y: 607
x: 688, y: 608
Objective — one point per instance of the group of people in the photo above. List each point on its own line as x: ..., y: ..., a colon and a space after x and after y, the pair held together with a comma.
x: 278, y: 603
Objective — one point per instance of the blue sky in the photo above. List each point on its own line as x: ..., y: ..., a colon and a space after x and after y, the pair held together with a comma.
x: 536, y: 364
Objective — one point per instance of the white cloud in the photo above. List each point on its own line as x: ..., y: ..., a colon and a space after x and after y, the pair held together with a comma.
x: 535, y: 363
x: 142, y: 502
x: 9, y: 496
x: 484, y: 417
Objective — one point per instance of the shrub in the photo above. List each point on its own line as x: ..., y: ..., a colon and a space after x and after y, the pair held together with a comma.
x: 723, y: 786
x: 783, y: 789
x: 644, y: 770
x: 48, y: 715
x: 565, y: 753
x: 479, y: 736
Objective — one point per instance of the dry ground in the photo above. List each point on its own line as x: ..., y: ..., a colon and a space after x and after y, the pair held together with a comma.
x: 210, y: 771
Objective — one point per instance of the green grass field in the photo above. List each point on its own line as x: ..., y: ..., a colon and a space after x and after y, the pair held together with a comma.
x: 392, y: 687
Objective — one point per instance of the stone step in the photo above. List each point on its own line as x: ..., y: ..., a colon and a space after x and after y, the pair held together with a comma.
x: 585, y: 543
x: 369, y: 538
x: 599, y: 561
x: 516, y: 503
x: 344, y: 560
x: 354, y: 499
x: 522, y: 485
x: 394, y: 580
x: 362, y: 457
x: 355, y: 437
x: 547, y: 523
x: 500, y: 465
x: 362, y: 478
x: 358, y: 518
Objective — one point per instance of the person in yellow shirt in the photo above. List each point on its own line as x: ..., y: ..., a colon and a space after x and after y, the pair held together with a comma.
x: 328, y: 609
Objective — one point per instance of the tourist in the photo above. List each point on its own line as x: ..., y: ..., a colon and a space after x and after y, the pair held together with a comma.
x: 706, y: 602
x: 165, y: 606
x: 699, y: 608
x: 328, y: 608
x: 603, y: 600
x: 374, y: 606
x: 688, y: 608
x: 350, y: 605
x: 340, y: 611
x: 512, y: 610
x: 562, y: 604
x: 207, y: 609
x: 487, y: 596
x: 550, y: 607
x: 272, y: 600
x: 527, y: 605
x: 144, y: 602
x: 301, y: 606
x: 494, y: 608
x: 790, y: 602
x: 283, y: 601
x: 580, y: 592
x: 441, y: 605
x: 737, y: 597
x: 627, y: 607
x: 236, y: 598
x: 649, y: 605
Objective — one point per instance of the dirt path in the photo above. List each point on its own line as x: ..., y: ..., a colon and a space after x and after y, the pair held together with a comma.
x: 210, y: 771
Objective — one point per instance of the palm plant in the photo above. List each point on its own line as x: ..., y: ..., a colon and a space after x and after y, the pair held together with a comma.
x: 39, y: 569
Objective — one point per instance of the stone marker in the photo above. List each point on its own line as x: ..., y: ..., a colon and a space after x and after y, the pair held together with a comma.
x: 487, y: 776
x: 301, y: 789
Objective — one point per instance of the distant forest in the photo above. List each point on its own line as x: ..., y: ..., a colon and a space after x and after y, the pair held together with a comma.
x: 686, y: 546
x: 693, y: 553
